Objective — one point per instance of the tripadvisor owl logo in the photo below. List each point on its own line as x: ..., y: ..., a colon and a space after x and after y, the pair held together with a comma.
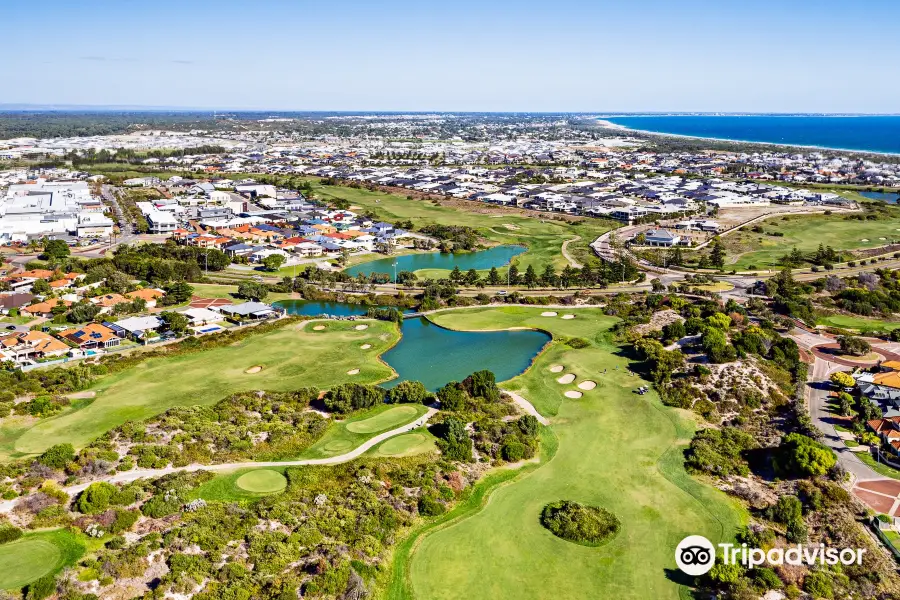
x: 696, y: 555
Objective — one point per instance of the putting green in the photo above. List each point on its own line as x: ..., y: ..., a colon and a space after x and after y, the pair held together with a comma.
x: 338, y: 446
x: 262, y: 481
x: 407, y: 444
x: 26, y: 560
x: 388, y: 419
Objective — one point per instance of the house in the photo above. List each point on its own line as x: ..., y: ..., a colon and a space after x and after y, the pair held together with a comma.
x: 248, y: 310
x: 45, y: 308
x: 148, y: 295
x: 202, y: 316
x: 661, y: 237
x: 11, y: 301
x: 888, y: 430
x: 137, y: 328
x: 91, y: 336
x: 24, y: 346
x: 108, y: 301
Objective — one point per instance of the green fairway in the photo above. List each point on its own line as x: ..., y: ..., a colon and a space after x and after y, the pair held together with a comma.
x: 292, y: 357
x: 343, y: 436
x: 616, y: 449
x: 262, y: 481
x: 36, y: 555
x: 406, y: 444
x: 543, y: 237
x: 242, y: 486
x: 806, y: 232
x: 861, y: 324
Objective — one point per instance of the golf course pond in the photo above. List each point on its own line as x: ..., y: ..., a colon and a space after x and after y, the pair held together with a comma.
x: 497, y: 256
x: 313, y: 309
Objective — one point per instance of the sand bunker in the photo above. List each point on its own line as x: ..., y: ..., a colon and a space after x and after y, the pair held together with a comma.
x: 567, y: 378
x: 255, y: 369
x: 572, y: 394
x: 587, y: 385
x: 361, y: 327
x: 882, y: 238
x: 556, y: 368
x: 864, y: 240
x: 548, y: 313
x: 318, y: 328
x: 353, y: 372
x: 366, y: 346
x: 78, y: 395
x: 568, y: 316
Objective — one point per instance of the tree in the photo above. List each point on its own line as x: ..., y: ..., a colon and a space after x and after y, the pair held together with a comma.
x: 56, y: 250
x: 408, y: 392
x: 846, y: 403
x: 96, y: 498
x: 673, y: 331
x: 453, y: 440
x: 843, y: 380
x: 719, y: 320
x: 482, y: 384
x: 58, y: 456
x: 494, y: 277
x: 548, y: 277
x: 348, y: 397
x: 802, y: 455
x: 717, y: 253
x: 854, y: 346
x: 119, y: 282
x: 273, y: 262
x: 82, y: 312
x: 177, y: 293
x: 175, y: 322
x: 531, y: 279
x: 452, y: 397
x: 252, y: 290
x: 41, y: 287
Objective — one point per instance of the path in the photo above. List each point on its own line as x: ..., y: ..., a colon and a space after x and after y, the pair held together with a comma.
x: 527, y: 406
x: 565, y: 252
x: 135, y: 474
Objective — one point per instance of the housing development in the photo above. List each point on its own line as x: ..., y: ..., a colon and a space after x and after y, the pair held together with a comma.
x: 434, y: 355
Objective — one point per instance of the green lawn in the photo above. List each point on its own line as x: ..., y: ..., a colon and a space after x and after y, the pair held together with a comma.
x: 233, y: 487
x: 806, y: 232
x: 616, y: 449
x: 406, y: 444
x: 861, y: 324
x: 37, y: 554
x: 878, y: 467
x: 542, y: 236
x: 292, y: 357
x: 343, y: 436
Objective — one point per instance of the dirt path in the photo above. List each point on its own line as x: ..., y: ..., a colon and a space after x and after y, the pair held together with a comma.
x: 527, y: 406
x: 565, y: 252
x: 7, y: 505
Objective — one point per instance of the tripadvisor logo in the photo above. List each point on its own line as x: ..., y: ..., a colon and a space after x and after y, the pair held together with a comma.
x: 696, y: 555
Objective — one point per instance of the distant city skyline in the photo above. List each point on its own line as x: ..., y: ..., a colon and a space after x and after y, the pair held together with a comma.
x: 565, y: 56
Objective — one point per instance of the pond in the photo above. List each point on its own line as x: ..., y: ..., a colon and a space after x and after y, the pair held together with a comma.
x: 434, y: 355
x: 497, y: 256
x: 314, y: 309
x: 891, y: 197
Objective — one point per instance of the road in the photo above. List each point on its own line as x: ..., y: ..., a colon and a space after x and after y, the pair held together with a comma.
x: 135, y: 474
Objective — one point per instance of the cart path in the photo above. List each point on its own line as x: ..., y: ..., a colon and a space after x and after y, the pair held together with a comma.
x: 527, y: 406
x: 135, y: 474
x: 565, y: 252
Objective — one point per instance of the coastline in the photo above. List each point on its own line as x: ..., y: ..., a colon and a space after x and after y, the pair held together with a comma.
x: 606, y: 124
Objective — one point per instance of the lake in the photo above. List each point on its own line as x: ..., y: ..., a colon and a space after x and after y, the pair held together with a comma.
x: 314, y: 309
x: 434, y: 355
x: 870, y: 133
x: 497, y: 256
x: 891, y: 197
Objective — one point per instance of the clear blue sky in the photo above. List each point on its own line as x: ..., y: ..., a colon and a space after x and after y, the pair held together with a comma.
x: 559, y: 55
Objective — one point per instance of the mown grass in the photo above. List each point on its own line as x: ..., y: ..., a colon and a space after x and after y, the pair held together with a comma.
x: 617, y: 449
x: 343, y: 436
x: 406, y: 444
x: 292, y: 357
x: 861, y: 324
x: 225, y: 488
x: 37, y: 554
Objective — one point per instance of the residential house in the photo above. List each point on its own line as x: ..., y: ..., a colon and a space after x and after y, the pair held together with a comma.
x: 15, y: 300
x: 660, y: 237
x: 45, y: 308
x: 24, y: 346
x: 248, y: 310
x: 137, y: 328
x: 202, y: 316
x: 106, y: 302
x: 91, y: 336
x: 148, y: 295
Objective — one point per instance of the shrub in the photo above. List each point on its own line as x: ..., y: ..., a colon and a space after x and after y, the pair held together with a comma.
x: 58, y: 456
x: 579, y: 523
x: 42, y: 588
x: 9, y: 533
x: 802, y: 455
x: 578, y: 342
x: 429, y: 507
x: 512, y: 450
x: 408, y: 392
x: 96, y: 498
x: 348, y: 397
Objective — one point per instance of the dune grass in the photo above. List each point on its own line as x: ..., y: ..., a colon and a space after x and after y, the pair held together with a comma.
x: 37, y: 554
x: 292, y: 357
x: 616, y: 449
x: 343, y: 436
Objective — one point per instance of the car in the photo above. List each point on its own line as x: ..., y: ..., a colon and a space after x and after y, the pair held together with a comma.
x: 502, y: 293
x: 11, y: 327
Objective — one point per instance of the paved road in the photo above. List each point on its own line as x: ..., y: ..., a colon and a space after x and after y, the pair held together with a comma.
x: 7, y: 505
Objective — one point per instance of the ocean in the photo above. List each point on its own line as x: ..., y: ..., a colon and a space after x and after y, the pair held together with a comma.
x: 869, y: 133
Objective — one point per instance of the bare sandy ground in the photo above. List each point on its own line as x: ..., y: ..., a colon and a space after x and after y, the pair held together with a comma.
x: 361, y: 327
x: 318, y: 328
x: 587, y: 385
x: 567, y: 378
x: 353, y: 372
x: 572, y: 394
x: 255, y: 369
x: 548, y: 313
x: 366, y: 346
x: 556, y: 369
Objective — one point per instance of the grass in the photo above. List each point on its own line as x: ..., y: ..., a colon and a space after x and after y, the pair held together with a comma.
x: 861, y: 324
x: 343, y: 436
x: 292, y: 357
x: 37, y: 554
x: 616, y: 449
x: 229, y: 487
x: 542, y: 236
x: 806, y: 232
x: 406, y: 444
x: 719, y: 286
x: 880, y: 468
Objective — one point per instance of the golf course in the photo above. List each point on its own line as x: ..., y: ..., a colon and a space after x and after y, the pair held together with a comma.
x: 291, y: 357
x: 37, y: 554
x: 244, y: 485
x: 616, y: 449
x: 343, y: 436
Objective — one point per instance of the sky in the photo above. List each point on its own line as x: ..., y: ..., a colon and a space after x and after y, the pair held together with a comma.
x: 551, y: 56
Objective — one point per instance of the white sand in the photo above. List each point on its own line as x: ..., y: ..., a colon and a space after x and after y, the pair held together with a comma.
x: 567, y: 378
x: 864, y: 240
x: 548, y: 313
x: 78, y: 395
x: 366, y: 346
x: 318, y: 328
x: 882, y: 238
x: 353, y: 372
x: 572, y: 394
x: 556, y: 368
x: 255, y: 369
x: 587, y: 385
x: 568, y: 316
x: 361, y: 327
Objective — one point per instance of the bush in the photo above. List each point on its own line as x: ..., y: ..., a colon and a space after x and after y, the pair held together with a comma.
x: 586, y: 525
x: 578, y: 342
x: 42, y: 588
x: 348, y: 397
x: 802, y: 455
x: 96, y: 498
x: 719, y: 451
x: 512, y: 450
x: 429, y: 507
x: 409, y: 392
x: 58, y: 456
x: 9, y: 533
